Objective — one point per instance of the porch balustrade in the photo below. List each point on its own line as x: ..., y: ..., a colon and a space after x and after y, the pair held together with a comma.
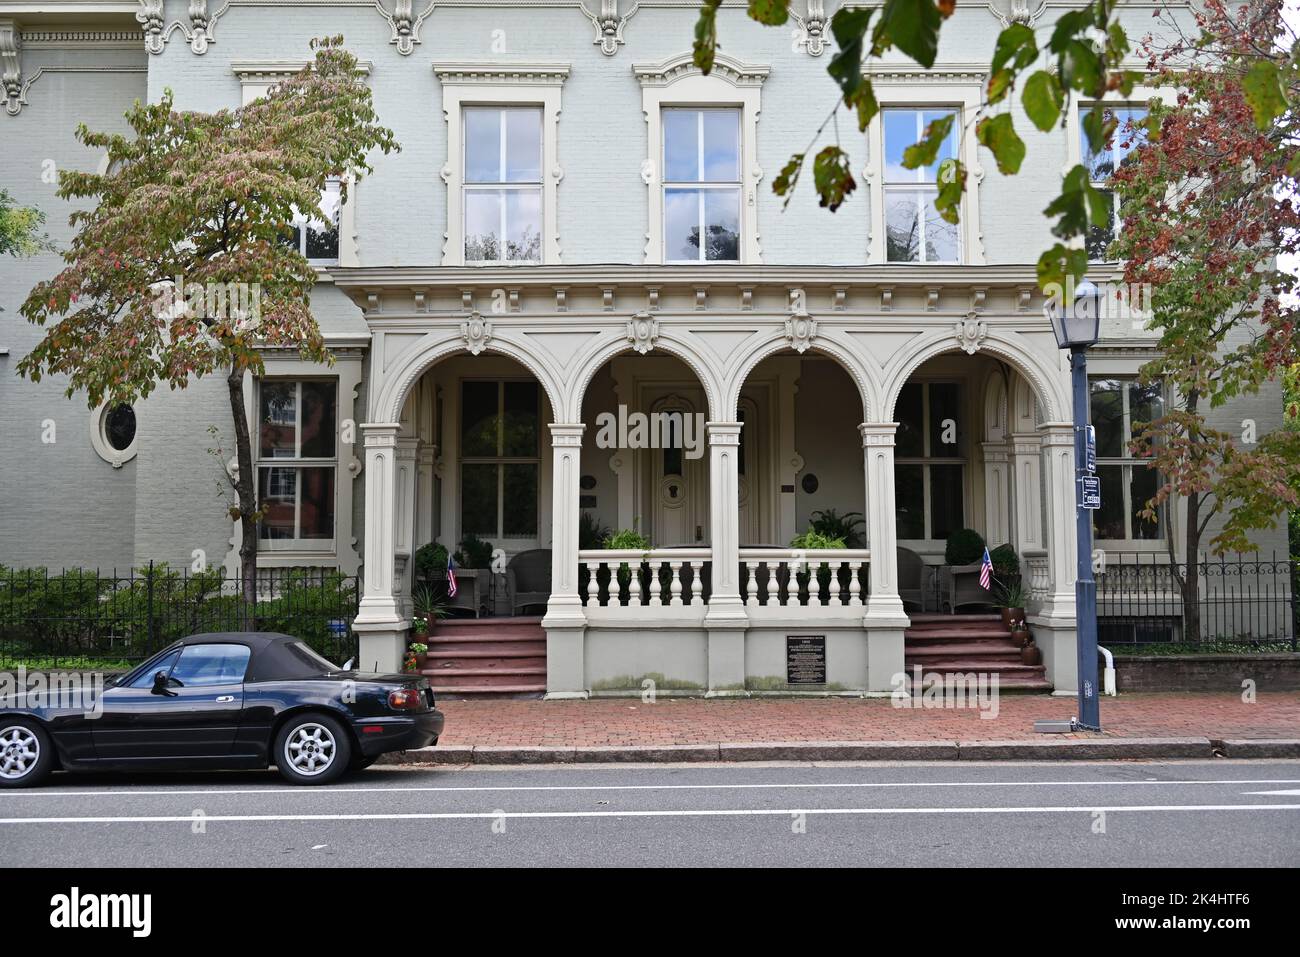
x: 663, y: 576
x: 791, y: 577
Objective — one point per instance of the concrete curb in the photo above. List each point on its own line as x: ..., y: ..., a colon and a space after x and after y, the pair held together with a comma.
x: 1048, y: 749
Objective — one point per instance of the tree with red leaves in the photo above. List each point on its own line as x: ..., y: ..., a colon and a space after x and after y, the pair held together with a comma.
x: 1209, y: 204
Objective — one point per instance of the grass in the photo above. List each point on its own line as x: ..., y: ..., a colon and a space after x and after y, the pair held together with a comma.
x: 1263, y: 646
x: 68, y: 663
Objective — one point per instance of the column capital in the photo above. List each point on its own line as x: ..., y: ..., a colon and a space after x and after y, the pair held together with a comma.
x: 567, y: 433
x: 878, y: 433
x: 723, y: 433
x: 380, y: 434
x: 1057, y: 433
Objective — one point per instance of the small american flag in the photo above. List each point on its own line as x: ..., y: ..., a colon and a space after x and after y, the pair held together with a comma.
x: 986, y: 570
x: 451, y: 576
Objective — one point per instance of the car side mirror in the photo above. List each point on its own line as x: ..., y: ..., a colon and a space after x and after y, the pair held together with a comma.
x: 349, y: 664
x: 160, y: 685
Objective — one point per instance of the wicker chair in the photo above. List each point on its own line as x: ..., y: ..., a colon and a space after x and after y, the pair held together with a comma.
x: 911, y: 579
x: 528, y: 579
x: 960, y: 588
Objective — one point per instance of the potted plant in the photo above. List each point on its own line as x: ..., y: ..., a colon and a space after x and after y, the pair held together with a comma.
x: 1020, y: 633
x: 1031, y: 654
x: 430, y: 562
x: 959, y: 575
x: 417, y: 654
x: 429, y: 607
x: 626, y: 539
x: 1012, y: 599
x: 811, y: 540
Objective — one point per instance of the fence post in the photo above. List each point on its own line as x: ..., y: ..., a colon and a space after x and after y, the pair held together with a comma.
x: 150, y: 624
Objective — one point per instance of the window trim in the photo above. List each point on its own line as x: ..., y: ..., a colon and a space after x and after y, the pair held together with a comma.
x: 1127, y: 463
x: 501, y: 186
x: 468, y: 84
x: 906, y: 88
x: 927, y: 459
x: 99, y: 436
x: 298, y: 462
x: 500, y: 459
x: 678, y: 83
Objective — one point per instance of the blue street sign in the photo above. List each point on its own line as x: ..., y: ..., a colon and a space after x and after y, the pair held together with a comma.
x: 338, y: 626
x: 1090, y: 496
x: 1090, y: 449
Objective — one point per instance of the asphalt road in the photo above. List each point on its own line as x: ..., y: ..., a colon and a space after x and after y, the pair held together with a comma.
x: 1129, y: 814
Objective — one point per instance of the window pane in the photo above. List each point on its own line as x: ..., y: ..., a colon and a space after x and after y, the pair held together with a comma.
x: 483, y: 225
x: 165, y: 664
x: 119, y: 426
x: 1108, y: 521
x: 1100, y: 164
x: 947, y: 149
x: 722, y: 146
x: 478, y: 499
x: 277, y: 490
x: 908, y: 412
x: 1100, y: 237
x: 1128, y: 137
x: 1145, y: 404
x: 945, y: 500
x: 722, y: 214
x: 909, y: 501
x: 1107, y: 417
x: 524, y: 146
x: 478, y: 419
x: 900, y: 132
x: 681, y: 146
x: 682, y: 224
x: 940, y: 236
x: 322, y: 243
x: 318, y: 418
x: 521, y: 419
x: 279, y: 414
x: 524, y: 225
x: 482, y: 146
x: 945, y: 413
x: 520, y: 516
x: 1142, y: 488
x: 902, y: 227
x: 316, y: 503
x: 202, y: 665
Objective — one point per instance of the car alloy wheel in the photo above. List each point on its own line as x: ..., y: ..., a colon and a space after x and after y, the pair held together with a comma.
x: 20, y: 752
x: 310, y: 748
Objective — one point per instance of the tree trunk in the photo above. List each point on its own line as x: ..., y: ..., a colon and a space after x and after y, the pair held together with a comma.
x: 1191, y: 583
x: 245, y: 486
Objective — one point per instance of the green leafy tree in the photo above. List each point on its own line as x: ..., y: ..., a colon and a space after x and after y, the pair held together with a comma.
x: 1209, y: 204
x: 1080, y: 54
x: 20, y: 227
x: 181, y: 268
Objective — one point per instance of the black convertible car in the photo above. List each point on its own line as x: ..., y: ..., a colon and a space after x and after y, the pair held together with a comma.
x: 239, y: 700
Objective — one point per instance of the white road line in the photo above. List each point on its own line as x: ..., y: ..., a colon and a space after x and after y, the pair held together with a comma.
x: 380, y: 789
x: 702, y: 812
x: 1289, y: 793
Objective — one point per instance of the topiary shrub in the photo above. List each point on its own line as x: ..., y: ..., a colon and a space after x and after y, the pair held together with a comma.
x: 964, y: 547
x: 431, y: 561
x: 474, y: 552
x: 1006, y: 563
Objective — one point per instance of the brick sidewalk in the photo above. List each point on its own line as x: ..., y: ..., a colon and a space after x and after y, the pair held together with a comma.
x: 699, y: 721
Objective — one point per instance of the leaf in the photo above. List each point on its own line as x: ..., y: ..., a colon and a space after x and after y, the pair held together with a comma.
x: 946, y: 8
x: 832, y: 177
x: 771, y: 13
x: 849, y: 27
x: 1016, y: 45
x: 952, y: 183
x: 1082, y: 70
x: 864, y: 101
x: 1071, y: 208
x: 1098, y: 128
x: 788, y: 178
x: 926, y: 152
x: 1262, y: 85
x: 1059, y: 262
x: 706, y: 36
x: 1043, y: 99
x: 912, y: 26
x: 999, y: 135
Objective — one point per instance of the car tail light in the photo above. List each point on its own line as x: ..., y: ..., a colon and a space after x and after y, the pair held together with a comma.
x: 405, y: 699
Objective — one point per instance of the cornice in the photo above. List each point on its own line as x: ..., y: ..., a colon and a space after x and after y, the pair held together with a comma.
x: 252, y: 71
x: 674, y: 68
x: 58, y: 38
x: 497, y: 73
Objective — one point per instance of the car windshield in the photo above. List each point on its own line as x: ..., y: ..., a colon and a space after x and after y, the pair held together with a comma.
x: 305, y: 654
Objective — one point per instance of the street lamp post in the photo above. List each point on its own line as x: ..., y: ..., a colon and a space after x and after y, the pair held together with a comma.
x: 1077, y: 326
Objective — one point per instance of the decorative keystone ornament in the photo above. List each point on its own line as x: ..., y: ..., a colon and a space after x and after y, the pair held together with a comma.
x: 476, y: 332
x: 801, y: 330
x: 642, y: 331
x: 971, y: 332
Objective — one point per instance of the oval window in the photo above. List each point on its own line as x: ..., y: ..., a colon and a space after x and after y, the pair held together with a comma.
x: 119, y: 427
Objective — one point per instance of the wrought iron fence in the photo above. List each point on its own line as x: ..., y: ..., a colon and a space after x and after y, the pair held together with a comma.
x: 81, y: 618
x: 1243, y: 603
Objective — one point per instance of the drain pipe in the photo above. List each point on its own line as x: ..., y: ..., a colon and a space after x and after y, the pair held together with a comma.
x: 1108, y: 677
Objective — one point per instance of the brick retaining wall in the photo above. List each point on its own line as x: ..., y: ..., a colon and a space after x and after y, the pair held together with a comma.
x: 1279, y: 672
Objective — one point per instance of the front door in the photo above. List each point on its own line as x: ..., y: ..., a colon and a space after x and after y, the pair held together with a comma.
x: 197, y: 718
x: 678, y: 485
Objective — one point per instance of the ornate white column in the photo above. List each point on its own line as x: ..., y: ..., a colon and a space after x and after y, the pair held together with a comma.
x: 379, y: 624
x: 565, y: 621
x: 406, y: 454
x: 1027, y: 491
x: 1055, y: 625
x: 997, y: 494
x: 725, y: 619
x: 885, y: 619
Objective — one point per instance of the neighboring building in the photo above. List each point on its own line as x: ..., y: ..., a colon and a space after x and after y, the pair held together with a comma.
x: 580, y: 221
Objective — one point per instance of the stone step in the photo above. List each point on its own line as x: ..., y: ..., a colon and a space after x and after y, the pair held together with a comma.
x: 1000, y: 651
x: 943, y: 634
x: 930, y: 617
x: 453, y: 663
x: 479, y: 678
x: 478, y: 692
x: 967, y: 665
